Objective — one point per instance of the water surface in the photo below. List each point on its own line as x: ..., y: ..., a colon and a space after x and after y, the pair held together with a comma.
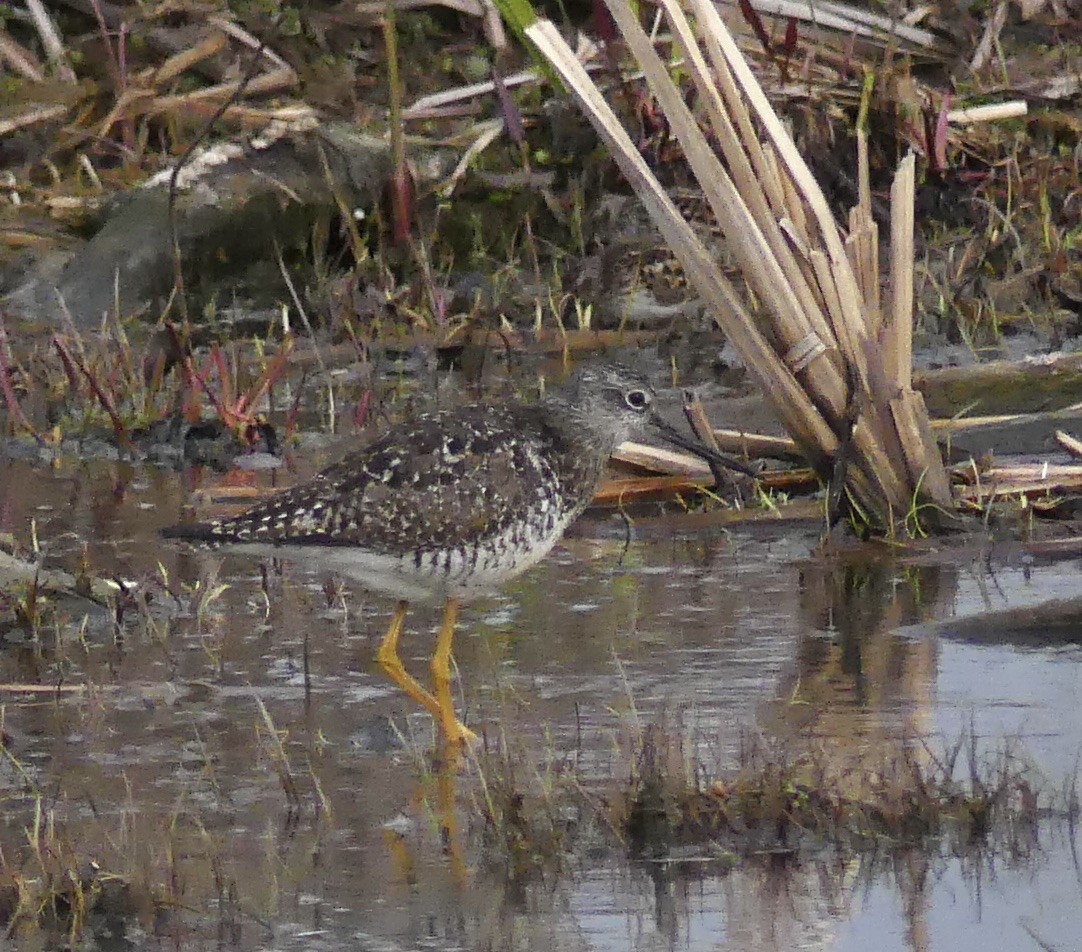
x: 162, y: 753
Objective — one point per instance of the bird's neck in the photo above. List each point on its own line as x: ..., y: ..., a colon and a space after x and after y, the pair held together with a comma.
x: 578, y: 425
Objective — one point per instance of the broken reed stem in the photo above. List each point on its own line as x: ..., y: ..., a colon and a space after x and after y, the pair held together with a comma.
x: 180, y: 62
x: 898, y: 350
x: 20, y: 59
x: 740, y: 203
x: 848, y: 289
x: 757, y: 445
x: 800, y: 416
x: 700, y: 423
x: 725, y: 56
x: 799, y: 326
x: 1069, y: 443
x: 820, y: 358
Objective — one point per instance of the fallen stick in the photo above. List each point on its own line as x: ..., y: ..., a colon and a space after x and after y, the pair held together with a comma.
x: 1069, y: 443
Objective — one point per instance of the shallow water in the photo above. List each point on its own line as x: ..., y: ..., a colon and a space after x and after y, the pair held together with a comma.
x: 161, y: 755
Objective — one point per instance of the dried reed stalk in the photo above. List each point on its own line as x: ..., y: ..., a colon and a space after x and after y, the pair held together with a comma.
x: 822, y: 352
x: 757, y: 445
x: 1071, y: 444
x: 20, y: 59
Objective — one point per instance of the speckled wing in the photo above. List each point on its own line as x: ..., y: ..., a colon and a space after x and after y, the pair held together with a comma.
x: 442, y: 480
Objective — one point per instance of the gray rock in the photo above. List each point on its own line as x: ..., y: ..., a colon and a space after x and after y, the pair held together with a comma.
x: 233, y: 205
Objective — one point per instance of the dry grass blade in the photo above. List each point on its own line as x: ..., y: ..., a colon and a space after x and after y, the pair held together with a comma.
x: 472, y: 8
x: 27, y: 688
x: 181, y: 62
x: 279, y: 757
x: 50, y: 39
x: 982, y: 55
x: 276, y: 81
x: 31, y: 117
x: 849, y: 20
x: 20, y: 59
x: 239, y: 33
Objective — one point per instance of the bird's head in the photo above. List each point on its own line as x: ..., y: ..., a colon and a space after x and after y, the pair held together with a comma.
x: 612, y: 400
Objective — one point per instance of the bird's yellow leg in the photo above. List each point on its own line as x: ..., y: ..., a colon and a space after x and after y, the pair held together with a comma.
x: 453, y: 729
x: 448, y: 818
x: 387, y: 658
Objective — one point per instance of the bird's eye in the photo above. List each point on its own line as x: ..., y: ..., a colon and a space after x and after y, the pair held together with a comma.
x: 637, y: 399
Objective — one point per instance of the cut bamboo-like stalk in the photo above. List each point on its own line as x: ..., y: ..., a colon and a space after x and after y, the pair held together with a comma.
x: 756, y: 445
x: 752, y: 182
x: 737, y: 109
x: 1029, y: 471
x: 800, y: 416
x: 667, y: 462
x: 795, y: 207
x: 989, y: 113
x: 864, y: 178
x: 825, y: 276
x: 819, y: 290
x: 899, y: 352
x: 911, y: 419
x: 700, y: 423
x: 759, y: 259
x: 722, y: 48
x: 873, y: 301
x: 1019, y: 481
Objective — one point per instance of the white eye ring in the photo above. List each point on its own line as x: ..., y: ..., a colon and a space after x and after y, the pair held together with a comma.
x: 637, y: 399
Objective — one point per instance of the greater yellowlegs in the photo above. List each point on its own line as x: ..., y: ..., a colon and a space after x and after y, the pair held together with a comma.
x: 447, y: 506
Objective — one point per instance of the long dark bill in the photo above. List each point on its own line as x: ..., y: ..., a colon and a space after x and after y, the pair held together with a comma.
x: 699, y: 448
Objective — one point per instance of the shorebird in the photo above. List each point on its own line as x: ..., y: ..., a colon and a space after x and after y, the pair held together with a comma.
x: 448, y: 506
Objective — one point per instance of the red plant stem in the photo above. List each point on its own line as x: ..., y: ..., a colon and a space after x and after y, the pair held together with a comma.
x: 270, y: 374
x: 223, y: 412
x: 360, y: 411
x: 226, y: 385
x: 942, y: 126
x: 756, y: 23
x: 109, y: 406
x: 235, y: 411
x: 68, y: 364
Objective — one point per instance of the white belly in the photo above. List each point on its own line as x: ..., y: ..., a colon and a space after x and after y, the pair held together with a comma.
x: 430, y: 576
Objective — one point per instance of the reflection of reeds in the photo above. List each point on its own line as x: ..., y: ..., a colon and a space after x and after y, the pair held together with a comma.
x: 275, y: 748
